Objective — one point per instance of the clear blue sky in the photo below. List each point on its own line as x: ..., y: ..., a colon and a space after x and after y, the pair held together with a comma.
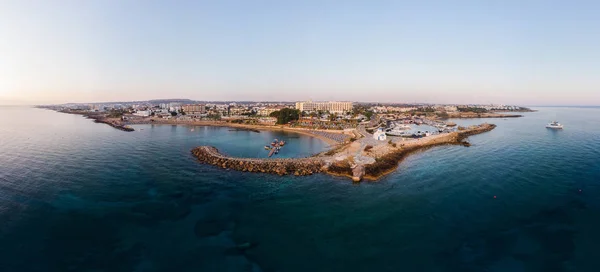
x: 513, y: 52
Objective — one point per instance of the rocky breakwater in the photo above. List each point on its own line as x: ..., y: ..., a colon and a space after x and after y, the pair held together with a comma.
x: 298, y: 167
x: 115, y: 124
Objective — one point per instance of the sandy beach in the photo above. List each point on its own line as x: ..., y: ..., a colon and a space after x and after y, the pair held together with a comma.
x: 308, y: 132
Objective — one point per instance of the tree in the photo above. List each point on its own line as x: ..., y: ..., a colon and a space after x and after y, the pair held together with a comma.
x: 215, y: 116
x: 274, y: 114
x: 286, y: 115
x: 332, y: 117
x: 173, y: 113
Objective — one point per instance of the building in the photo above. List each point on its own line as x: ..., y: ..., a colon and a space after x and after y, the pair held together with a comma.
x: 193, y: 108
x: 233, y: 110
x: 379, y: 135
x: 268, y: 110
x: 145, y: 113
x: 331, y: 106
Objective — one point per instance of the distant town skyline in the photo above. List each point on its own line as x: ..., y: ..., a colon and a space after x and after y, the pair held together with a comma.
x: 442, y: 52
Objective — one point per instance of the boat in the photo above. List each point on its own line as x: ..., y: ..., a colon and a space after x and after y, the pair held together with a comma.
x: 267, y: 147
x: 554, y: 125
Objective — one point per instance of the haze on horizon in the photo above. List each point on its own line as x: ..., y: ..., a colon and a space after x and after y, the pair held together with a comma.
x: 512, y: 52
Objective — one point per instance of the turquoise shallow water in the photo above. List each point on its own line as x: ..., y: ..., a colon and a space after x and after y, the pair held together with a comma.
x: 79, y: 196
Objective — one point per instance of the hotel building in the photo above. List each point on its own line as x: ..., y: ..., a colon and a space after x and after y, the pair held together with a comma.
x: 331, y: 106
x: 193, y: 108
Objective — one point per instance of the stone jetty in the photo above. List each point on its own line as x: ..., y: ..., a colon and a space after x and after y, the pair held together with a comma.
x: 297, y: 167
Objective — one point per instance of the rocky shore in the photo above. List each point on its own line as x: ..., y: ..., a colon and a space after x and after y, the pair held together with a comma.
x: 102, y: 119
x: 116, y: 125
x: 482, y: 115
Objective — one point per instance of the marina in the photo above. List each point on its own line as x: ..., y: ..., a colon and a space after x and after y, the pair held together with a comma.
x: 420, y: 128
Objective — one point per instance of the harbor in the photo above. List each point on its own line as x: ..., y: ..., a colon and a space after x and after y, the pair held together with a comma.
x: 362, y: 157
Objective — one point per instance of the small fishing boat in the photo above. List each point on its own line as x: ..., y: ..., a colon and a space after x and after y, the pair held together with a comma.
x: 267, y: 147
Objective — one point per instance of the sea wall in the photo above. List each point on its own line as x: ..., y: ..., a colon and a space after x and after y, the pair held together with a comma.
x: 298, y: 167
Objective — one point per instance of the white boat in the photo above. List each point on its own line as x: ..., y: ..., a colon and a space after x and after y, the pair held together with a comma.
x: 555, y: 125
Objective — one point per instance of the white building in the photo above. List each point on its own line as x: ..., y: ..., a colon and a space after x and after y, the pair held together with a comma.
x: 331, y: 106
x: 143, y: 113
x: 379, y: 135
x: 268, y: 110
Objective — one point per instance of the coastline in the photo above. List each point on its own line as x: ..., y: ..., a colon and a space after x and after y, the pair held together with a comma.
x: 470, y: 115
x: 339, y: 164
x: 125, y: 125
x: 347, y: 158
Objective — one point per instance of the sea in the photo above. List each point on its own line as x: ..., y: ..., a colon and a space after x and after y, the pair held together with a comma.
x: 81, y: 196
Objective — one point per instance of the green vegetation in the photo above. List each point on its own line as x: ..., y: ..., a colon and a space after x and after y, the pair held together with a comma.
x: 443, y: 115
x: 472, y: 109
x: 249, y: 113
x: 215, y: 116
x: 115, y: 114
x: 286, y: 115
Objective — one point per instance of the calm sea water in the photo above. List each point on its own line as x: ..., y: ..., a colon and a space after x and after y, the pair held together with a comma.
x: 79, y: 196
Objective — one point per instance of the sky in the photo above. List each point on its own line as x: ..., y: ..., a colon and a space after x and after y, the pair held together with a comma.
x: 525, y: 52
